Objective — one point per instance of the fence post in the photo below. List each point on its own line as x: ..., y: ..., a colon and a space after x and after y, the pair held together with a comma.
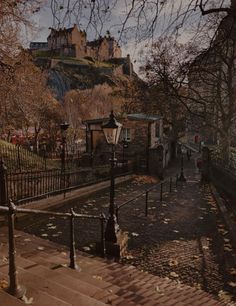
x: 72, y: 264
x: 146, y: 204
x: 3, y: 187
x: 161, y: 191
x: 170, y: 184
x: 103, y: 249
x: 14, y: 288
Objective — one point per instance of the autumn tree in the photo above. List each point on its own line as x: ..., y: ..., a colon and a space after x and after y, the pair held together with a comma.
x: 212, y: 82
x: 165, y: 69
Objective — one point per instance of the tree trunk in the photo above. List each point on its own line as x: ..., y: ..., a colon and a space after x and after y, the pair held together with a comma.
x: 225, y: 147
x: 36, y: 139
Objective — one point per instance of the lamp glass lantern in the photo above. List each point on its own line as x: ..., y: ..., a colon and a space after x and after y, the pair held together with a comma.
x: 112, y: 130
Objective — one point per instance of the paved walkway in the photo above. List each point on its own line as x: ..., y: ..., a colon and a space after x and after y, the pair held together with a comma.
x: 183, y: 238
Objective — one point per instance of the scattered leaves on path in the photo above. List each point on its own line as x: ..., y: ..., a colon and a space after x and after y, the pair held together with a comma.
x: 173, y: 274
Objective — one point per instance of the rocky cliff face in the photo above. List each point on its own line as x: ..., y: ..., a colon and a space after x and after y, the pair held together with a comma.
x: 66, y: 75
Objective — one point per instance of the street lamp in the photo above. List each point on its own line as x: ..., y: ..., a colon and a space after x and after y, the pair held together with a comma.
x: 182, y: 177
x: 112, y: 131
x: 64, y: 126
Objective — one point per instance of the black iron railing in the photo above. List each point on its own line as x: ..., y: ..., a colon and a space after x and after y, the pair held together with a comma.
x: 35, y: 185
x: 168, y: 181
x: 14, y: 287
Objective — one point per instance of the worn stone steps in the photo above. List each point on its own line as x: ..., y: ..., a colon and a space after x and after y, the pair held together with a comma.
x: 42, y: 267
x: 53, y: 289
x: 8, y: 300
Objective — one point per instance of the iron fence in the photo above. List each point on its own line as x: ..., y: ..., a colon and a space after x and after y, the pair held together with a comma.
x: 33, y: 185
x: 18, y: 158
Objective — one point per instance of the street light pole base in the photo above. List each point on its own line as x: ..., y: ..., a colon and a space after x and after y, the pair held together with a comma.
x: 182, y: 178
x: 18, y: 292
x: 117, y: 249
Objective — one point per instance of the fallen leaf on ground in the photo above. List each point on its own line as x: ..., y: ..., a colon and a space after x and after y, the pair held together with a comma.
x: 52, y: 227
x: 225, y: 296
x: 173, y: 274
x: 232, y: 284
x: 26, y: 300
x: 135, y: 234
x: 40, y: 248
x: 159, y: 291
x: 173, y: 262
x: 197, y: 286
x: 3, y: 284
x: 97, y: 277
x: 86, y: 248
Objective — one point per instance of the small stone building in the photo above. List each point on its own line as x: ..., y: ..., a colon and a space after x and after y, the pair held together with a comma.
x: 141, y: 142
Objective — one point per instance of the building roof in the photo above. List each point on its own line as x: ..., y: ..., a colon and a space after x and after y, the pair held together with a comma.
x: 138, y: 117
x: 143, y: 117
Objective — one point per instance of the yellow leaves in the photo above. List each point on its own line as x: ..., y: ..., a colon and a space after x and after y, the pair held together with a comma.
x: 144, y: 179
x: 225, y: 296
x: 173, y: 274
x: 197, y: 286
x: 3, y: 284
x: 98, y: 277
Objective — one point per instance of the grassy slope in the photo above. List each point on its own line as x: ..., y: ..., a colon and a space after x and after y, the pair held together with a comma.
x: 22, y: 159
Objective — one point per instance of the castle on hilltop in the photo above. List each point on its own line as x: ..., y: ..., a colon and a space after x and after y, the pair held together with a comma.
x: 72, y: 42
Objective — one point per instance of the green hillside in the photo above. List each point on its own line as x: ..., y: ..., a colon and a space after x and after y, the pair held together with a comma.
x: 16, y: 158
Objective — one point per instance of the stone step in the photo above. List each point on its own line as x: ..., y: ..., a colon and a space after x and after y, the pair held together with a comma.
x: 54, y: 289
x: 129, y: 279
x: 39, y: 297
x: 105, y: 295
x: 8, y: 300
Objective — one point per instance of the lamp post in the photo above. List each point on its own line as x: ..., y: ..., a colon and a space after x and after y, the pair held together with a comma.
x: 182, y: 177
x: 64, y: 126
x: 112, y: 131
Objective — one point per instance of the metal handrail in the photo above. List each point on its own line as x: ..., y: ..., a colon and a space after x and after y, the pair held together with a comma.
x: 146, y: 193
x: 14, y: 288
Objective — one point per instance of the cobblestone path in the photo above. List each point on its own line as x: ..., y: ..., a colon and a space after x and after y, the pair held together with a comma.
x: 183, y: 237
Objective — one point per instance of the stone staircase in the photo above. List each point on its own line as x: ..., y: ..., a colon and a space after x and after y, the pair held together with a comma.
x: 42, y: 269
